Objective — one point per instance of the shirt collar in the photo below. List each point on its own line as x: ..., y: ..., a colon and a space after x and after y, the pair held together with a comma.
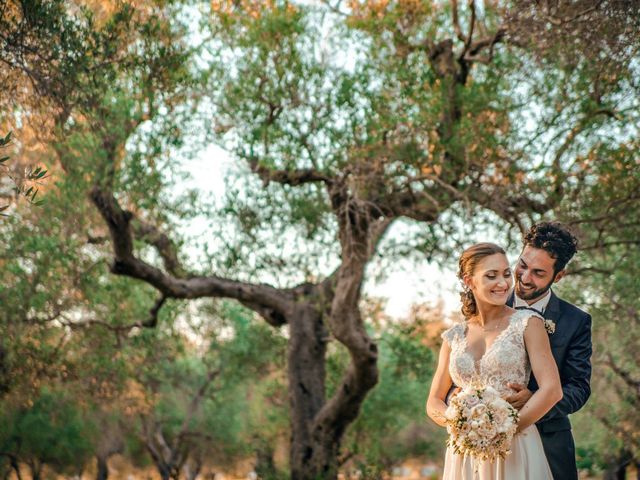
x: 540, y: 305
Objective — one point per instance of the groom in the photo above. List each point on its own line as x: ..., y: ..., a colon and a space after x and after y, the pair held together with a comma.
x: 548, y: 247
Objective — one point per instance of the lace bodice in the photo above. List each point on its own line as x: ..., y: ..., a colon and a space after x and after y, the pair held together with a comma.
x: 505, y: 361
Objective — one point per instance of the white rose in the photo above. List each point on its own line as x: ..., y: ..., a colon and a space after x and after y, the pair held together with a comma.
x: 499, y: 414
x: 450, y: 413
x: 471, y: 400
x: 487, y: 430
x: 478, y: 410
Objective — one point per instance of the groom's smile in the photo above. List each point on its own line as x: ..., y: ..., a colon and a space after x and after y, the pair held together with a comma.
x: 535, y: 273
x: 525, y: 288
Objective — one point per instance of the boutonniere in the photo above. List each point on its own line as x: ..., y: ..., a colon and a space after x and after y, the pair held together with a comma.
x: 549, y: 326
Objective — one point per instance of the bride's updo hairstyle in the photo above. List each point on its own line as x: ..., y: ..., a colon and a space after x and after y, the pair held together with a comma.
x: 466, y: 268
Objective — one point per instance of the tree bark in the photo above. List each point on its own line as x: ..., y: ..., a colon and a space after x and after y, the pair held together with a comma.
x: 192, y: 468
x: 306, y: 371
x: 102, y: 468
x: 265, y: 467
x: 618, y: 467
x: 318, y: 426
x: 16, y: 466
x: 36, y: 469
x: 4, y: 372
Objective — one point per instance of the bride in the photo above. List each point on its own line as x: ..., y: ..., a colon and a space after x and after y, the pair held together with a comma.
x: 496, y: 345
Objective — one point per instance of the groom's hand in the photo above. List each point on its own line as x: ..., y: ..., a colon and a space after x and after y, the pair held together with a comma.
x: 522, y: 395
x: 453, y: 391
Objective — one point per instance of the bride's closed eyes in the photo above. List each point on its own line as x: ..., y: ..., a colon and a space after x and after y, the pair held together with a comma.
x: 493, y: 275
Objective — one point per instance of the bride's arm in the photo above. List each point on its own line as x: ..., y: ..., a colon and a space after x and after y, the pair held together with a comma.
x: 545, y: 370
x: 440, y: 386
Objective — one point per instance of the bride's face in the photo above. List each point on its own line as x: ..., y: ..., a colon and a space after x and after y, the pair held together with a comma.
x: 492, y: 280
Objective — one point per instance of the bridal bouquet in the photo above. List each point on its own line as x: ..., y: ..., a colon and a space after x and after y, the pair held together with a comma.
x: 480, y: 423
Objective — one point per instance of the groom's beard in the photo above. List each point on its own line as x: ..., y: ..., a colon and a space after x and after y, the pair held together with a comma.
x: 534, y: 294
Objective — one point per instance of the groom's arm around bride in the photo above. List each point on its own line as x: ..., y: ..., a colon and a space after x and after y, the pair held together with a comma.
x: 574, y: 356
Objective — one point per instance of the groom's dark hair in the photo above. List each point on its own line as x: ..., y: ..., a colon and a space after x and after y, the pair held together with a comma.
x: 555, y: 239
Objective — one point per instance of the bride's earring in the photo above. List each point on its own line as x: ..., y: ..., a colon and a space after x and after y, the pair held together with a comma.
x: 468, y: 292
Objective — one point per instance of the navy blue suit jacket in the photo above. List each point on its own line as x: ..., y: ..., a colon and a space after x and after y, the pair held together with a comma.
x: 571, y: 348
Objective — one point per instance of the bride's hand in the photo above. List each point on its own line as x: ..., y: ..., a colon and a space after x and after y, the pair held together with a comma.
x: 522, y: 395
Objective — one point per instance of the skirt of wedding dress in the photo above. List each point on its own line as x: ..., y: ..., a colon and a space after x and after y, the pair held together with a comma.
x: 525, y: 462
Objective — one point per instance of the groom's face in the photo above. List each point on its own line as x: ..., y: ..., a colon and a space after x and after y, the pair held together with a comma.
x: 535, y: 273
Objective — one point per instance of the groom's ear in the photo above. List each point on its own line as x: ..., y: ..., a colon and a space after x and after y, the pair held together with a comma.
x: 559, y: 275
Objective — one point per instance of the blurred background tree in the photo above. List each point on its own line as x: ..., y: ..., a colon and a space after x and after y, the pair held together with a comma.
x: 604, y: 281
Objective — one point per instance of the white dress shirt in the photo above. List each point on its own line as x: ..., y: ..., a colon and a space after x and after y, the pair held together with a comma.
x: 540, y: 305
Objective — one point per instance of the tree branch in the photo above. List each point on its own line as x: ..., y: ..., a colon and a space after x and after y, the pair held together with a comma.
x: 559, y: 21
x: 126, y: 263
x: 576, y: 130
x: 420, y: 205
x: 163, y: 245
x: 602, y: 245
x: 193, y: 407
x: 378, y: 229
x: 456, y: 21
x: 584, y: 270
x: 629, y: 310
x: 472, y: 22
x: 473, y: 51
x: 347, y: 327
x: 618, y: 430
x: 288, y: 177
x: 624, y: 375
x: 153, y: 313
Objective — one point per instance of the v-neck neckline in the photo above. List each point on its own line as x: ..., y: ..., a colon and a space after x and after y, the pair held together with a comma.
x: 465, y: 345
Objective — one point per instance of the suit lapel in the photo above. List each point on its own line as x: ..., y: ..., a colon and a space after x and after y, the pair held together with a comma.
x: 552, y: 312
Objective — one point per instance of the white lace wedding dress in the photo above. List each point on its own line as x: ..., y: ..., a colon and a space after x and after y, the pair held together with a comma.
x: 505, y: 361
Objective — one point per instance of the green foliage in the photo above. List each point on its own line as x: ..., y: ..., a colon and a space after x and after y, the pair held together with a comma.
x: 51, y: 431
x: 226, y: 377
x: 359, y: 93
x: 392, y: 425
x: 27, y: 187
x: 605, y: 283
